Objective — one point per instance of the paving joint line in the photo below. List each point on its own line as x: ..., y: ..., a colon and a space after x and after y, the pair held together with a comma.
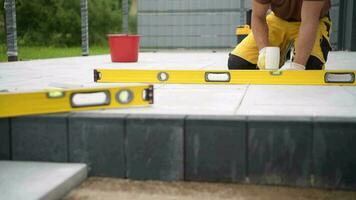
x: 243, y: 98
x: 348, y: 91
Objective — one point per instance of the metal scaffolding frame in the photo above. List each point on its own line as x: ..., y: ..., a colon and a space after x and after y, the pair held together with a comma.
x: 85, y: 27
x: 125, y: 15
x: 11, y: 32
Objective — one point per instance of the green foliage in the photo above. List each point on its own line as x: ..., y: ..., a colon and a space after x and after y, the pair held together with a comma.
x: 31, y: 53
x: 44, y: 22
x: 3, y: 56
x: 2, y: 23
x: 104, y: 18
x: 58, y: 22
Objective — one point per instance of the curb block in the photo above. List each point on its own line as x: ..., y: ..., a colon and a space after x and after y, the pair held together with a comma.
x: 98, y: 140
x: 215, y: 149
x: 5, y: 139
x: 40, y: 138
x: 335, y: 153
x: 280, y: 150
x: 154, y: 147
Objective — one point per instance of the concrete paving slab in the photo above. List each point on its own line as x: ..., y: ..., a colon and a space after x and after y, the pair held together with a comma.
x: 191, y: 100
x: 79, y: 70
x: 351, y: 89
x: 341, y: 60
x: 298, y: 100
x: 39, y: 180
x: 188, y: 99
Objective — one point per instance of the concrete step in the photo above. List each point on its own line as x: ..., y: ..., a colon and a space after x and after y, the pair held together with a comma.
x: 39, y: 180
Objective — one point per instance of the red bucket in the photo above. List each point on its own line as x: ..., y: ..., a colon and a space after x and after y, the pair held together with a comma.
x: 124, y: 48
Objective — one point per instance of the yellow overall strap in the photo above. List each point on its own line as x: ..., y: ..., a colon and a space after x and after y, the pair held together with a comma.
x: 309, y: 77
x: 57, y: 100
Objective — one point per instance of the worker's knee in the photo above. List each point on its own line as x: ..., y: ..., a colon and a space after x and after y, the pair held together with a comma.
x: 236, y: 63
x: 314, y: 64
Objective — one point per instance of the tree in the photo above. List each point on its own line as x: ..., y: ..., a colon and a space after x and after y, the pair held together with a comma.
x: 58, y: 22
x: 2, y: 24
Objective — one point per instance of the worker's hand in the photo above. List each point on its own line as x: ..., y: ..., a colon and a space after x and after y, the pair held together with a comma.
x: 293, y: 66
x: 261, y: 63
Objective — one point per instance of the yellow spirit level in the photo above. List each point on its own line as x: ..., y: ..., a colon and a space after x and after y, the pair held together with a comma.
x: 260, y: 77
x: 52, y: 101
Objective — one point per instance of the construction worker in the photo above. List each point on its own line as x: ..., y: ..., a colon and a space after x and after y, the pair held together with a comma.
x: 305, y: 24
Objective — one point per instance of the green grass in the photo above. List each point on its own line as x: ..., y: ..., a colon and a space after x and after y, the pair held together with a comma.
x: 33, y: 53
x: 3, y: 56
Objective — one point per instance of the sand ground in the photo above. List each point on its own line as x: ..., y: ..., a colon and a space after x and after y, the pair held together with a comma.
x: 109, y: 188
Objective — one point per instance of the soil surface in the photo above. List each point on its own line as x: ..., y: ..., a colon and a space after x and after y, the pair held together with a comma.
x: 109, y: 188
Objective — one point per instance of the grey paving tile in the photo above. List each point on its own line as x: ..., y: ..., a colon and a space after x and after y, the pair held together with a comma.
x: 350, y: 89
x: 341, y: 60
x: 39, y: 180
x: 272, y: 100
x: 192, y: 100
x: 298, y: 101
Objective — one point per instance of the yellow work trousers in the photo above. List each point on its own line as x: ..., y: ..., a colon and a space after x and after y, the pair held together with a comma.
x: 283, y: 34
